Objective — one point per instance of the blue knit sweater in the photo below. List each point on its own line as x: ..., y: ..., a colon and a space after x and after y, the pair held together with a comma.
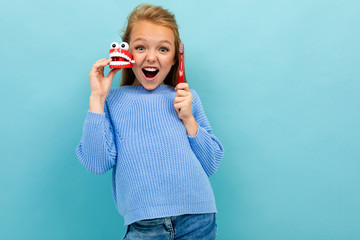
x: 158, y: 169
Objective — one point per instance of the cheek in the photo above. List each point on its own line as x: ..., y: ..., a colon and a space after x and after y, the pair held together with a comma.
x: 134, y: 56
x: 169, y: 61
x: 137, y: 59
x: 172, y: 60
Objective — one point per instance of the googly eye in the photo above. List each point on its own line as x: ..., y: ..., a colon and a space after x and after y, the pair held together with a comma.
x: 114, y: 45
x: 124, y: 45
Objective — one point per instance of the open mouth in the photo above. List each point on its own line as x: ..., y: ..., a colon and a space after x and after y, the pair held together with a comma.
x: 150, y: 72
x: 120, y: 58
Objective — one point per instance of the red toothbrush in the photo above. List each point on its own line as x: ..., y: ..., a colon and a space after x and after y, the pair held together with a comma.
x: 181, y: 68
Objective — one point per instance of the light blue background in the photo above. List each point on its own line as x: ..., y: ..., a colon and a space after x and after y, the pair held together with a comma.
x: 279, y: 81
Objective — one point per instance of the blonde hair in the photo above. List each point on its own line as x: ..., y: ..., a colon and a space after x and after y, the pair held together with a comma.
x: 160, y: 16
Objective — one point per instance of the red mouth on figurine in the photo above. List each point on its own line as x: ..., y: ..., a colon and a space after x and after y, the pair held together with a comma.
x: 120, y: 57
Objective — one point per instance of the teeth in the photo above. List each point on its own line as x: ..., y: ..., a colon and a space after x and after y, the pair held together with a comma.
x: 150, y: 69
x: 115, y: 54
x: 118, y: 63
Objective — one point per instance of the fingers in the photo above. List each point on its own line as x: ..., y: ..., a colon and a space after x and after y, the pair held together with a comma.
x: 183, y: 107
x: 102, y: 63
x: 183, y: 101
x: 182, y: 86
x: 182, y: 90
x: 180, y: 99
x: 182, y: 93
x: 179, y: 106
x: 101, y: 60
x: 113, y: 72
x: 98, y: 67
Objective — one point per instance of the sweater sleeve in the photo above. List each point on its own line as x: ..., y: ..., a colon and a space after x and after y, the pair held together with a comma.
x: 97, y: 149
x: 207, y: 148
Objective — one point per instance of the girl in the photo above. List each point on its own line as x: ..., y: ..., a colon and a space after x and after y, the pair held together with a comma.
x: 154, y: 135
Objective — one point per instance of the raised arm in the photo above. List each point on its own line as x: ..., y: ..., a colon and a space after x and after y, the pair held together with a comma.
x: 206, y: 146
x: 97, y: 147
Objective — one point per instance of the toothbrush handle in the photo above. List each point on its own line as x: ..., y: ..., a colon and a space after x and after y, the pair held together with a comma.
x: 181, y: 70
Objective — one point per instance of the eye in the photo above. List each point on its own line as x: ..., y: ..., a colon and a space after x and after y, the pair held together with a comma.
x: 114, y: 45
x: 140, y: 48
x: 163, y: 49
x: 124, y: 45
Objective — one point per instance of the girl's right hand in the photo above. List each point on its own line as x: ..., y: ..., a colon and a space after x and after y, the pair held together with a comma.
x: 99, y: 84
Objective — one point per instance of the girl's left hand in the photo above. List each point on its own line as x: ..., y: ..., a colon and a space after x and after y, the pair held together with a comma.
x: 183, y: 101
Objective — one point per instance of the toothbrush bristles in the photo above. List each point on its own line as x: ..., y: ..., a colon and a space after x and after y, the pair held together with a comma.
x: 181, y: 48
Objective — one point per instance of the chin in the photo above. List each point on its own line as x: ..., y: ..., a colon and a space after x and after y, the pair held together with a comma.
x: 150, y: 85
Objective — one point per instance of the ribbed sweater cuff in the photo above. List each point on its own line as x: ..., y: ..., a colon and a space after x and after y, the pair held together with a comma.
x: 198, y: 138
x: 195, y: 134
x: 95, y: 118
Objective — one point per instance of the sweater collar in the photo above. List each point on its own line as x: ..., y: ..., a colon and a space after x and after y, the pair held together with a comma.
x: 158, y: 89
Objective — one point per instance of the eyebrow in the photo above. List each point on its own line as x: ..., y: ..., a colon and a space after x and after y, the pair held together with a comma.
x: 143, y: 39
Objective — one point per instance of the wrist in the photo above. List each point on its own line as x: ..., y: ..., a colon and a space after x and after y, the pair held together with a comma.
x: 97, y: 97
x: 189, y: 120
x: 191, y: 126
x: 96, y: 104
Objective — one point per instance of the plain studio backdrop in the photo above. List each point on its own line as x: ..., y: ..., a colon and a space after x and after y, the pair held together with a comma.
x: 279, y: 81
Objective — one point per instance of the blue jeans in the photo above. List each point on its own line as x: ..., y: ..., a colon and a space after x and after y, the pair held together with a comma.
x: 188, y: 226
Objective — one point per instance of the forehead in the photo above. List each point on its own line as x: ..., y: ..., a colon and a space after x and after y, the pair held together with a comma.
x: 149, y: 31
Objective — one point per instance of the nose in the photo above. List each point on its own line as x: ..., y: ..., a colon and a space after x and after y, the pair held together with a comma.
x: 151, y: 56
